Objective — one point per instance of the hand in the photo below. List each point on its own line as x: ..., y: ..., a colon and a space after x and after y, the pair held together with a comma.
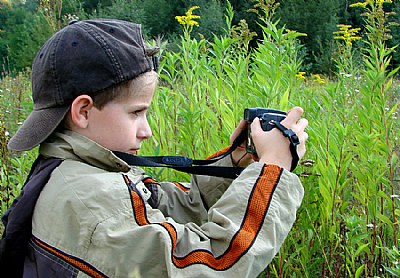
x: 272, y: 147
x: 239, y: 156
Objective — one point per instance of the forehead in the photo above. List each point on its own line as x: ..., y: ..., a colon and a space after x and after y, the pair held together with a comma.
x: 143, y: 83
x: 140, y: 88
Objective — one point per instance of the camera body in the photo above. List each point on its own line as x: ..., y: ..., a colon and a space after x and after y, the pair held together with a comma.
x: 266, y: 115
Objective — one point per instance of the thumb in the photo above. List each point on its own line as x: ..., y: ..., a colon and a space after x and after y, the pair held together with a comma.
x: 256, y: 126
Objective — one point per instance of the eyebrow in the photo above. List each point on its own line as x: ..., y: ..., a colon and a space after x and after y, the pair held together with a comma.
x: 139, y: 107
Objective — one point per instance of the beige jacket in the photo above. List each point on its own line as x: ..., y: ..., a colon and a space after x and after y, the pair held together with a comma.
x: 97, y: 216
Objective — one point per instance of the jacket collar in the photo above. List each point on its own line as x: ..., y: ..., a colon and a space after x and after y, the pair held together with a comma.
x: 71, y: 145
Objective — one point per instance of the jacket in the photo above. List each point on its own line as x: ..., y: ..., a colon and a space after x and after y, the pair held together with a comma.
x: 98, y: 216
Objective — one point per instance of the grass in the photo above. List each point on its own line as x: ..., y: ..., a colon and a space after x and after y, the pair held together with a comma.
x: 348, y: 223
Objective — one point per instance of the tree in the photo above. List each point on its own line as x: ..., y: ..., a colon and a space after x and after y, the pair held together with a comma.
x: 20, y: 39
x: 395, y: 32
x: 318, y: 19
x: 124, y: 10
x: 212, y: 17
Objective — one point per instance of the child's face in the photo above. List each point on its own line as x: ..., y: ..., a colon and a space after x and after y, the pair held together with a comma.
x: 121, y: 125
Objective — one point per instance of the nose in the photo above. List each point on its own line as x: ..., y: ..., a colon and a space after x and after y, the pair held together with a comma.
x: 144, y: 131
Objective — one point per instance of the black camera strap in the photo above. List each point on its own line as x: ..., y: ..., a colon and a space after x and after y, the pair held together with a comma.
x: 216, y: 171
x: 202, y: 167
x: 188, y: 165
x: 293, y: 139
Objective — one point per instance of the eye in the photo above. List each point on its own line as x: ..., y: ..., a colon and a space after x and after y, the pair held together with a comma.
x: 135, y: 113
x: 139, y: 112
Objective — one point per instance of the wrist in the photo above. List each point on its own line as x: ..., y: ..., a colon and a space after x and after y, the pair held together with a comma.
x: 279, y: 161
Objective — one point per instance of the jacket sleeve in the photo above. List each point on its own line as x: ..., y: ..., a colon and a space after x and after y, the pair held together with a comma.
x: 189, y: 202
x: 241, y: 234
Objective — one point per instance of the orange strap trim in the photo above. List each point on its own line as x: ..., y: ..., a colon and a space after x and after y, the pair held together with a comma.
x: 149, y: 180
x: 126, y: 179
x: 181, y: 186
x: 76, y: 262
x: 218, y: 153
x: 253, y: 220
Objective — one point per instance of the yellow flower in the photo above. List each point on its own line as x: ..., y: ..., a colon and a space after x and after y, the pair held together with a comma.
x: 188, y: 18
x: 360, y: 4
x: 370, y: 2
x: 347, y: 34
x: 316, y: 78
x: 7, y: 2
x: 300, y: 75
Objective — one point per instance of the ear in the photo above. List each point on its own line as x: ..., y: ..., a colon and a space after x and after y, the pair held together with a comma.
x: 80, y: 109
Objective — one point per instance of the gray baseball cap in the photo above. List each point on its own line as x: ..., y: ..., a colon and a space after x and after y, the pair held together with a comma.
x: 84, y: 57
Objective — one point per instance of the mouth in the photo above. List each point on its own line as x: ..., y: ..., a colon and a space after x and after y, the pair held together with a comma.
x: 133, y: 151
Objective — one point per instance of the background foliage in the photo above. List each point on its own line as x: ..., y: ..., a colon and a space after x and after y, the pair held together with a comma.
x: 348, y: 224
x: 20, y: 21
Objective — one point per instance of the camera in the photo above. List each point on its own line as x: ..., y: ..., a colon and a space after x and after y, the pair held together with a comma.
x: 266, y: 115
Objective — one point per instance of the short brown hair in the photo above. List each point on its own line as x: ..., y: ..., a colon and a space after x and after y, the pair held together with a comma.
x: 121, y: 90
x: 118, y: 91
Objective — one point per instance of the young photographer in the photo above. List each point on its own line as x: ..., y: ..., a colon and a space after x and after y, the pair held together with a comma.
x: 95, y: 215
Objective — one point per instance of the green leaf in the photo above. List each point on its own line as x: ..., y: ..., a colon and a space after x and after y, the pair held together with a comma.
x: 384, y: 219
x: 359, y: 271
x: 283, y: 104
x: 360, y: 249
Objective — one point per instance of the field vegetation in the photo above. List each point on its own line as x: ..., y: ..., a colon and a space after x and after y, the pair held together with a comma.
x: 348, y: 224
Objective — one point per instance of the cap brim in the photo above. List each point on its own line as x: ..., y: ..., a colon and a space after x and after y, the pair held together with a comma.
x: 37, y: 127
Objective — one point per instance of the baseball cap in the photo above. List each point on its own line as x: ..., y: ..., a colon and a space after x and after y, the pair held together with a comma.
x: 84, y: 57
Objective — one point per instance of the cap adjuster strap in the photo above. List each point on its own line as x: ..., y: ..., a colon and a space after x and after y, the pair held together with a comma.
x: 151, y: 52
x: 293, y: 139
x: 156, y: 63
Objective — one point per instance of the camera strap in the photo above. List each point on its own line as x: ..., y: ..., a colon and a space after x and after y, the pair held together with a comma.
x: 202, y: 167
x: 188, y: 165
x: 293, y: 139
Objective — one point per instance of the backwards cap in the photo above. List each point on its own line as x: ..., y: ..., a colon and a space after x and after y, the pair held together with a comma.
x: 83, y: 58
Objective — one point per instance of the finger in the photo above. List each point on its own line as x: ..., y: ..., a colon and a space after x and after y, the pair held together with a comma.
x: 301, y: 125
x: 301, y: 149
x: 305, y: 136
x: 241, y: 126
x: 293, y: 115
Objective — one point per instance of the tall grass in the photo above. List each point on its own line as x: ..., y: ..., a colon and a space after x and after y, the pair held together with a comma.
x: 15, y: 104
x: 348, y: 224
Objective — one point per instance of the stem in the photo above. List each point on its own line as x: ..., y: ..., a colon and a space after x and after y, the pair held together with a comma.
x: 281, y: 263
x: 327, y: 148
x: 391, y: 179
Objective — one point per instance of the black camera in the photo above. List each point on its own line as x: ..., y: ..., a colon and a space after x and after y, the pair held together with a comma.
x: 266, y: 115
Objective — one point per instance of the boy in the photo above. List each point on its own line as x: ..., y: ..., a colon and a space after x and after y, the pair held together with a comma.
x: 92, y: 86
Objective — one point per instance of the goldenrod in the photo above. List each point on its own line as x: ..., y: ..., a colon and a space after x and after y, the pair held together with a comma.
x: 370, y: 2
x: 188, y: 18
x: 347, y: 34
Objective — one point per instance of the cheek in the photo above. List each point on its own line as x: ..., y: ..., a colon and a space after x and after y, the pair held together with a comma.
x: 125, y: 126
x: 109, y: 126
